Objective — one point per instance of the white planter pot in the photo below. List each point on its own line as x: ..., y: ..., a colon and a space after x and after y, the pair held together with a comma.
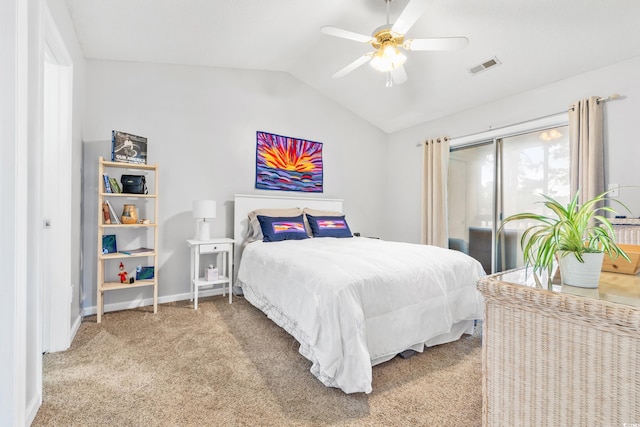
x: 582, y: 274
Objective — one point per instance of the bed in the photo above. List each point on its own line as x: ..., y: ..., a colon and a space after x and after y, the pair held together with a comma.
x: 355, y: 302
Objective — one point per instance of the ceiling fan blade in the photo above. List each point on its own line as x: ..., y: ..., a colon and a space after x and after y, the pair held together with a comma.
x: 339, y: 32
x: 439, y: 43
x: 355, y: 64
x: 411, y: 13
x: 399, y: 75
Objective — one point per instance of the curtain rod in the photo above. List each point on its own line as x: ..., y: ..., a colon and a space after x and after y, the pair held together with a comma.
x: 608, y: 98
x: 420, y: 144
x: 611, y: 97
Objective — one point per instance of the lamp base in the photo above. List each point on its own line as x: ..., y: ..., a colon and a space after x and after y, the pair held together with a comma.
x: 203, y: 230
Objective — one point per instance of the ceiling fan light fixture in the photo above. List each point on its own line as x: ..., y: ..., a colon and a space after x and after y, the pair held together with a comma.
x: 387, y: 58
x: 388, y: 41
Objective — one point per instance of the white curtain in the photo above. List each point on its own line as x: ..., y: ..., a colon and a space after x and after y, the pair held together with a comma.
x: 586, y: 148
x: 434, y: 192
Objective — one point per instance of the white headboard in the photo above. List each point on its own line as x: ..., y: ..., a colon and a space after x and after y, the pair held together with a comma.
x: 245, y: 203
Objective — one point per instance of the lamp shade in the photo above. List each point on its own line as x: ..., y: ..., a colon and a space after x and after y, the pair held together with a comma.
x: 204, y: 209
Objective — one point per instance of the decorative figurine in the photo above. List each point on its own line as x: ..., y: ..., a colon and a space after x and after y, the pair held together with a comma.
x: 122, y: 274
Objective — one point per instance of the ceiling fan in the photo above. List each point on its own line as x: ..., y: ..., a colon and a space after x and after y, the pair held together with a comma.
x: 389, y: 41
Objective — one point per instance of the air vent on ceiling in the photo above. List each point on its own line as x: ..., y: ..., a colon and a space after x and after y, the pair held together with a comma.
x: 485, y: 65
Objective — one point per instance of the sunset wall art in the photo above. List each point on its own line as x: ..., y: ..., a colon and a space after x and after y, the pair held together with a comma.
x: 289, y: 164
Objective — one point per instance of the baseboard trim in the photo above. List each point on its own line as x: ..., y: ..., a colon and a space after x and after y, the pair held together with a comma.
x: 143, y: 302
x: 32, y: 408
x: 74, y: 328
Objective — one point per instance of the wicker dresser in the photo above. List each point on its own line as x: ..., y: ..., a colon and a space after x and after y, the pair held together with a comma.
x: 566, y: 357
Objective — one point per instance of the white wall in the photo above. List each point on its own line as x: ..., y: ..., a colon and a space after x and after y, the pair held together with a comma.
x: 622, y: 151
x: 201, y: 124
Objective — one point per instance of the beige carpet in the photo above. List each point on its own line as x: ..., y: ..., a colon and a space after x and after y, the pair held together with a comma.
x: 228, y: 365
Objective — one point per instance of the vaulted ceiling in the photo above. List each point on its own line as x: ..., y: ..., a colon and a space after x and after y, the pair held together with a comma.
x: 537, y: 42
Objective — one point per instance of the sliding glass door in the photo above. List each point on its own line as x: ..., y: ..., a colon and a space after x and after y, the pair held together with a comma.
x: 533, y: 164
x: 471, y: 201
x: 493, y: 179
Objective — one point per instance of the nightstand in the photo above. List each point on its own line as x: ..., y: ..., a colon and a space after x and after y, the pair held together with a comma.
x: 222, y: 250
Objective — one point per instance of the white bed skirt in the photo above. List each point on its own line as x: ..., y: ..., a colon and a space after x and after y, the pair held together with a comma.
x: 456, y: 332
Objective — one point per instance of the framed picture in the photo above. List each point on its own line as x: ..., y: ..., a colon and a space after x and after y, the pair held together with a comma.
x: 128, y: 148
x: 109, y: 244
x: 288, y: 164
x: 144, y: 273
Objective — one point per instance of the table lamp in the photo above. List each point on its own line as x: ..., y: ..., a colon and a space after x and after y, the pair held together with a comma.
x: 203, y: 209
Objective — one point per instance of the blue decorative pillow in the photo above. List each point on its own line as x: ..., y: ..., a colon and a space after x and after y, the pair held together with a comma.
x: 329, y: 226
x: 275, y: 229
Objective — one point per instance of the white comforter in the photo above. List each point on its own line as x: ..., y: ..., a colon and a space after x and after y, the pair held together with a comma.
x: 356, y: 300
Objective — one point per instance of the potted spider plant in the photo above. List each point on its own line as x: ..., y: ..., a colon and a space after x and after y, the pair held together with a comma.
x: 577, y: 235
